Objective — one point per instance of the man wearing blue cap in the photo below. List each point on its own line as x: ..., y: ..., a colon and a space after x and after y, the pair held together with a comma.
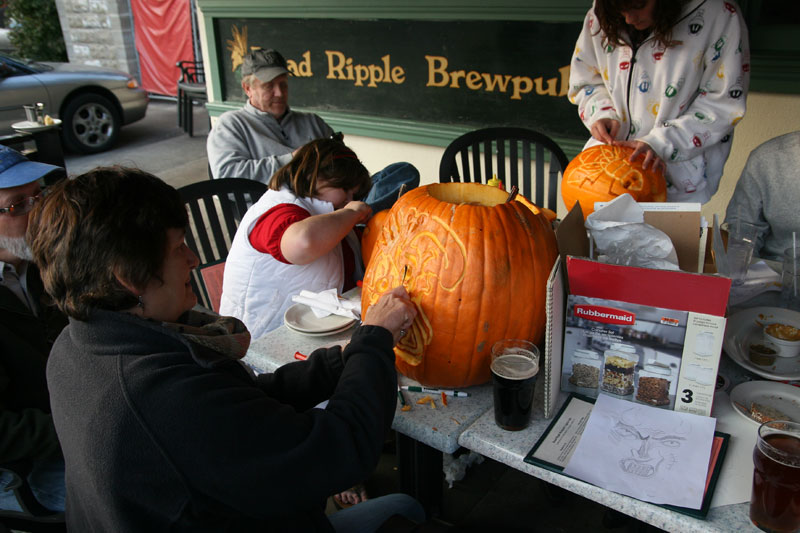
x: 28, y: 327
x: 257, y: 140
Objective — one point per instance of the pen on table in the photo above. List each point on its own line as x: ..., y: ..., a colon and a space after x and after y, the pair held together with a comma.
x: 457, y: 393
x: 402, y: 398
x: 300, y: 356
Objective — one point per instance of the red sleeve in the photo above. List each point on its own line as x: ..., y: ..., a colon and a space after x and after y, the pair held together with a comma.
x: 267, y: 233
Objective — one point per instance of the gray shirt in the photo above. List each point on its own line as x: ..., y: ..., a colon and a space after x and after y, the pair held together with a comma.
x: 249, y: 143
x: 768, y: 195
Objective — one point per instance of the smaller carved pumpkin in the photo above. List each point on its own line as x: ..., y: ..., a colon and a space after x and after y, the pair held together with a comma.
x: 603, y: 172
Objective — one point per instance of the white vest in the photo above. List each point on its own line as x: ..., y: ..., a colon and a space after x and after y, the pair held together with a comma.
x: 256, y: 288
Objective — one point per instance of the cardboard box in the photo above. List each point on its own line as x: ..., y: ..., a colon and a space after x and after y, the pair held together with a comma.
x: 680, y: 325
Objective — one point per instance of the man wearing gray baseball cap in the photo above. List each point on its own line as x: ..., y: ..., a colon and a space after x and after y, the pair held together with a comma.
x: 28, y: 327
x: 257, y: 140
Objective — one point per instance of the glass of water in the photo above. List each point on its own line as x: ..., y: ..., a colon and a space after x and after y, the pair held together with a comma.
x: 741, y: 242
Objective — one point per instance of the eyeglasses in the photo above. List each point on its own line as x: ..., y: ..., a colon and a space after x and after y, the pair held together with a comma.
x: 20, y: 208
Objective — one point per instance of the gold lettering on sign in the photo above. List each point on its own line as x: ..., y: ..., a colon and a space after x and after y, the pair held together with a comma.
x: 341, y: 67
x: 496, y: 80
x: 437, y: 66
x: 301, y: 69
x: 440, y: 76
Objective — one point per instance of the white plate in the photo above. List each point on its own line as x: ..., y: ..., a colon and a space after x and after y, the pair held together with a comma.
x: 29, y: 126
x: 301, y: 318
x: 745, y: 328
x: 783, y: 397
x: 324, y: 333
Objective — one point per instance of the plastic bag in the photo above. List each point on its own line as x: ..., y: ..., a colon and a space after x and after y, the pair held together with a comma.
x: 621, y: 237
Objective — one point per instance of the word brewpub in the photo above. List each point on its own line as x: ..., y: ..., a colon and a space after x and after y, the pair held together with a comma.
x: 341, y: 67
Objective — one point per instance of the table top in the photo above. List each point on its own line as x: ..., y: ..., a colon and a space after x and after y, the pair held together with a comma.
x: 31, y: 127
x: 438, y: 428
x: 511, y: 447
x: 469, y: 422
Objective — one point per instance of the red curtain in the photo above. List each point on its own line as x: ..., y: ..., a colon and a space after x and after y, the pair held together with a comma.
x: 163, y: 31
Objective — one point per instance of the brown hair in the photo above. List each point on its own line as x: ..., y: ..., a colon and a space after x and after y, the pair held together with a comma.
x: 665, y: 14
x: 327, y: 160
x: 108, y: 222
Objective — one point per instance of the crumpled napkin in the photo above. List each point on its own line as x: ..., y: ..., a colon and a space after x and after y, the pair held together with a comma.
x: 623, y: 238
x: 760, y: 278
x: 328, y: 302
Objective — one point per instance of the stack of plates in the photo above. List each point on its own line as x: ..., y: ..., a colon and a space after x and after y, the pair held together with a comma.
x: 301, y: 318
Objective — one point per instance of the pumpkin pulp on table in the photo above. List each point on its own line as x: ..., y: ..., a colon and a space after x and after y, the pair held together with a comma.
x: 477, y: 273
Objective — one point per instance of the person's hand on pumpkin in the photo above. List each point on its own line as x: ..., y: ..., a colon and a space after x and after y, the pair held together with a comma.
x: 363, y: 209
x: 651, y: 158
x: 605, y: 130
x: 394, y: 311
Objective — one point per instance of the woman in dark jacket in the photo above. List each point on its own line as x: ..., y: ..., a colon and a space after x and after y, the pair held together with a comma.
x: 161, y: 425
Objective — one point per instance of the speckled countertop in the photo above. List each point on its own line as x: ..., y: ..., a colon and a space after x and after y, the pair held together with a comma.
x: 510, y: 447
x: 438, y: 428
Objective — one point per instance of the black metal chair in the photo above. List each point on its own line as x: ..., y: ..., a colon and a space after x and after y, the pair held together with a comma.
x: 479, y: 155
x: 34, y: 517
x: 215, y: 209
x: 191, y: 88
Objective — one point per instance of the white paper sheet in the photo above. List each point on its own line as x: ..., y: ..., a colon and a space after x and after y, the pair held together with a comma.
x: 652, y: 454
x: 327, y: 302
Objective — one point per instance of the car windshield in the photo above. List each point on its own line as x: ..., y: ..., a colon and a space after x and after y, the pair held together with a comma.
x: 18, y: 61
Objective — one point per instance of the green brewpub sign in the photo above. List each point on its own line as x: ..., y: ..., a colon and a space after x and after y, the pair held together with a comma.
x: 466, y: 73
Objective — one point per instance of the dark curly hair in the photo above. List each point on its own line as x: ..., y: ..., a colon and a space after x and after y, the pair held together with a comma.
x: 90, y: 229
x: 327, y: 160
x: 665, y: 14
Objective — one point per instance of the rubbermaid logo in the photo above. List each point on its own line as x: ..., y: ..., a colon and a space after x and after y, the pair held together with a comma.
x: 608, y: 315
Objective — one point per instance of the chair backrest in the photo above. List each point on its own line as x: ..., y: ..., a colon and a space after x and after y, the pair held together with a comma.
x: 191, y: 71
x: 215, y: 208
x: 517, y: 156
x: 34, y: 517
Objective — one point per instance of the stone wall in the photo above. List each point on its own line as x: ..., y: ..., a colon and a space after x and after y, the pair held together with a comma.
x: 99, y: 33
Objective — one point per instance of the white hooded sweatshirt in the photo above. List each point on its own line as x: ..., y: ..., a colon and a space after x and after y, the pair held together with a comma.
x: 683, y: 101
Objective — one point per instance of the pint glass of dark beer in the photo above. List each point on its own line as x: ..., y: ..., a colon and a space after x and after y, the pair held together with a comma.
x: 515, y: 363
x: 775, y: 500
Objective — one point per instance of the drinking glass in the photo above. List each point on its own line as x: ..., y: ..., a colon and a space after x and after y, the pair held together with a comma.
x: 775, y: 500
x: 515, y: 365
x: 30, y: 113
x: 790, y: 279
x: 741, y: 241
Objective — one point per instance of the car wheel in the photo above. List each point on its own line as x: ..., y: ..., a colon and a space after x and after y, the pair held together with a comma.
x: 91, y: 124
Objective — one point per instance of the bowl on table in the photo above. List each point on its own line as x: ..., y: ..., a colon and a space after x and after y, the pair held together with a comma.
x: 785, y: 337
x: 763, y: 353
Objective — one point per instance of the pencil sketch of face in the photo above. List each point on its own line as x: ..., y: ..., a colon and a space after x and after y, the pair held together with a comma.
x: 649, y: 447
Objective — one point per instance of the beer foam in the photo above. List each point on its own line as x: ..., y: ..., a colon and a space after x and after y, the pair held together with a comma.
x: 521, y: 364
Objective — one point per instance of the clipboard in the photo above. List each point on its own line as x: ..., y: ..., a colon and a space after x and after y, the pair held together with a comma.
x: 718, y: 449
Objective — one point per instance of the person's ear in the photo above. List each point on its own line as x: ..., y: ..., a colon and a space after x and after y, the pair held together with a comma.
x: 130, y: 287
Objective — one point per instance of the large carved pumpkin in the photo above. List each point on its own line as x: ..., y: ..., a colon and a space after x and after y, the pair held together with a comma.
x: 370, y: 235
x: 603, y: 172
x: 374, y: 225
x: 477, y: 273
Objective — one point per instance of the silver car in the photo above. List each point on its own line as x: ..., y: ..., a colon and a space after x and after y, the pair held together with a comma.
x: 93, y: 103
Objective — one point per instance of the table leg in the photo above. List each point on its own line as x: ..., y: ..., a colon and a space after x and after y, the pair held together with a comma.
x: 421, y: 474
